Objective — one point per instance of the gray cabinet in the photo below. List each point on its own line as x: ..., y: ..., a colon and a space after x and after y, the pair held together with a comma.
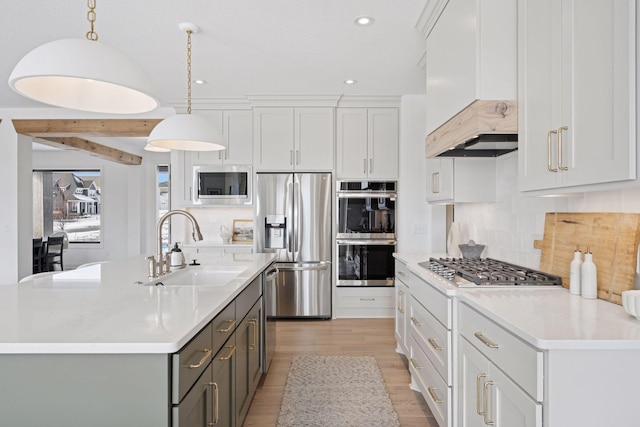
x: 249, y: 360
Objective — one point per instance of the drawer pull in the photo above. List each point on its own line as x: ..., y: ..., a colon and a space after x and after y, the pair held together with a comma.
x: 367, y: 299
x: 479, y: 410
x: 486, y: 404
x: 434, y: 344
x: 414, y: 363
x: 228, y: 356
x: 485, y: 341
x: 232, y: 324
x: 401, y: 273
x: 254, y: 323
x: 415, y: 321
x: 433, y: 395
x: 207, y: 354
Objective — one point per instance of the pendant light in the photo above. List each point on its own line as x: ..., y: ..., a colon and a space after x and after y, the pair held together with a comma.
x: 187, y: 132
x: 84, y: 74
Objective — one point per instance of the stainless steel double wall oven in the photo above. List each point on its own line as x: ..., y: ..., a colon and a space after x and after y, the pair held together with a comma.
x: 366, y: 237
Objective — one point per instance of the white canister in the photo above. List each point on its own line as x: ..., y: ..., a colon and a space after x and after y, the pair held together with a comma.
x: 589, y: 277
x: 454, y: 238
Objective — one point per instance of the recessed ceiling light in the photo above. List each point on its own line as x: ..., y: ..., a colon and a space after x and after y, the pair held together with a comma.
x: 200, y: 82
x: 350, y: 82
x: 364, y: 21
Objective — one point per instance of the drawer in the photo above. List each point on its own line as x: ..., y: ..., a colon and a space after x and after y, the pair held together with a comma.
x: 223, y: 326
x: 432, y: 337
x: 190, y: 362
x: 438, y: 304
x: 434, y: 390
x: 523, y: 363
x: 365, y: 302
x: 248, y: 298
x: 402, y: 273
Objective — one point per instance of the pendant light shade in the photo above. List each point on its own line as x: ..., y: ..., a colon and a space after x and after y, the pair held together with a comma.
x: 155, y: 149
x: 188, y: 132
x: 84, y: 75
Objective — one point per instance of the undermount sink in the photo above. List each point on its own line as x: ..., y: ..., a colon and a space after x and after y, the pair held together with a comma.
x: 202, y: 276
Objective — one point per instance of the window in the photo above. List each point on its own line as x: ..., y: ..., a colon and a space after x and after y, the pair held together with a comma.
x: 163, y: 201
x: 68, y: 201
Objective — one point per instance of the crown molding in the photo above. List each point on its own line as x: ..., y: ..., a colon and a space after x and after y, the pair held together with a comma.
x: 430, y: 15
x: 366, y: 101
x: 293, y: 100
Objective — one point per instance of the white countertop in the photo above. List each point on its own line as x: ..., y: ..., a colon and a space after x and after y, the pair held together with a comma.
x: 215, y: 244
x: 547, y: 318
x: 99, y: 309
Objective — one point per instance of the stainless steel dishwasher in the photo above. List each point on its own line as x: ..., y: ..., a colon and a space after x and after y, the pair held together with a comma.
x: 269, y: 281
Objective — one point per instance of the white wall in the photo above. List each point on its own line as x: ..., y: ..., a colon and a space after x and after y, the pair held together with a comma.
x: 421, y: 227
x: 510, y: 226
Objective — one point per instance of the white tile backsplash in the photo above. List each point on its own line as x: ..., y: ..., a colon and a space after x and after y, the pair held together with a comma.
x: 509, y: 226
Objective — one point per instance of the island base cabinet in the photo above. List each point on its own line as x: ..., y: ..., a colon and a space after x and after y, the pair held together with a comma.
x: 488, y: 397
x: 249, y: 360
x: 77, y: 390
x: 210, y: 401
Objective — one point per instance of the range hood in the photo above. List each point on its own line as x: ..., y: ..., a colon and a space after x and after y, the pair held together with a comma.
x: 482, y: 129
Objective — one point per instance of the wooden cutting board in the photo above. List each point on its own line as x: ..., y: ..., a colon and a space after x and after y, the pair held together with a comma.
x: 612, y: 237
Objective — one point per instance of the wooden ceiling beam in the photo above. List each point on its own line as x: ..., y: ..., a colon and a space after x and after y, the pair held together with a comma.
x: 86, y: 127
x: 93, y: 148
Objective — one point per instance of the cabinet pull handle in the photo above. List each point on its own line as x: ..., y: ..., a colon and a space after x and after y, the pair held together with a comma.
x: 207, y: 353
x: 291, y: 157
x: 435, y: 182
x: 371, y: 165
x: 479, y: 410
x: 485, y: 341
x: 367, y: 299
x: 207, y: 415
x: 401, y: 273
x: 549, y: 151
x: 231, y: 323
x: 415, y: 321
x: 297, y: 157
x: 364, y: 165
x: 486, y: 403
x: 254, y: 323
x: 220, y: 155
x: 560, y: 129
x: 433, y: 395
x: 434, y: 344
x: 400, y: 297
x: 228, y: 356
x: 216, y: 407
x: 415, y: 364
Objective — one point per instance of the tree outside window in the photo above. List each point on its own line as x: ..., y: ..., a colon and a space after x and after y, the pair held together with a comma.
x: 68, y: 201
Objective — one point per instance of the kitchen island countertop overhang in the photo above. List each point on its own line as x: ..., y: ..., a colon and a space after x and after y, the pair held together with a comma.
x: 101, y: 310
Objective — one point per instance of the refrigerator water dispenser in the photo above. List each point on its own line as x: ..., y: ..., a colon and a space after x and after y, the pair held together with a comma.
x: 275, y: 228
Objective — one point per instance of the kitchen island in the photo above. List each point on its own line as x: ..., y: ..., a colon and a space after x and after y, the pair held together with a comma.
x: 523, y: 356
x: 96, y: 346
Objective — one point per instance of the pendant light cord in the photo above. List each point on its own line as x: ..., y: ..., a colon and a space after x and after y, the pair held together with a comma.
x: 91, y: 17
x: 189, y: 71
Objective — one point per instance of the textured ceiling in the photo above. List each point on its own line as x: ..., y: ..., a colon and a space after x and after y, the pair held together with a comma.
x: 245, y: 47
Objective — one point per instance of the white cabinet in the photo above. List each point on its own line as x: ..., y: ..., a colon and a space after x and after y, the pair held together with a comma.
x: 237, y: 128
x: 500, y: 376
x: 461, y: 180
x: 577, y: 71
x: 402, y: 307
x: 364, y: 301
x: 367, y: 140
x: 294, y: 138
x: 470, y: 54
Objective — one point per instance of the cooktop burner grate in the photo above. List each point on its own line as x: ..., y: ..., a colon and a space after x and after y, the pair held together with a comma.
x: 488, y: 272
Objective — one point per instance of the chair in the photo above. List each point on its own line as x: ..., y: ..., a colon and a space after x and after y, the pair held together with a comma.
x: 54, y: 253
x: 38, y: 255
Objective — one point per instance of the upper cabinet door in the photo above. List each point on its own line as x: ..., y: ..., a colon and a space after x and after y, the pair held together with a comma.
x: 273, y: 133
x: 314, y: 139
x: 383, y: 143
x: 236, y: 126
x: 577, y: 92
x: 351, y: 135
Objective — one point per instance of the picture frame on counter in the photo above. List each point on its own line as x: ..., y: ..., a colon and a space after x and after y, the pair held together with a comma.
x: 242, y: 230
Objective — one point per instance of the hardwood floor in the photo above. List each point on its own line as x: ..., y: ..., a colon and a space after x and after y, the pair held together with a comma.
x: 373, y: 337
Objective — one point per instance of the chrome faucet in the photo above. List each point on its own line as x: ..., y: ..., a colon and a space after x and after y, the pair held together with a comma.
x: 197, y: 235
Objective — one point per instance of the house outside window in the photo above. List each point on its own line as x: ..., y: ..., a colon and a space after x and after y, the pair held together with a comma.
x: 68, y: 201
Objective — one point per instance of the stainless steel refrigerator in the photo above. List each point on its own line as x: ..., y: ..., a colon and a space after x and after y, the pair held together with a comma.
x: 293, y: 220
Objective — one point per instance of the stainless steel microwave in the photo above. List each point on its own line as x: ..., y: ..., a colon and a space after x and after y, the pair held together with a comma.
x: 222, y: 185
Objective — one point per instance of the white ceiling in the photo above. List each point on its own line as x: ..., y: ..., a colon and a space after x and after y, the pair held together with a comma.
x: 244, y: 47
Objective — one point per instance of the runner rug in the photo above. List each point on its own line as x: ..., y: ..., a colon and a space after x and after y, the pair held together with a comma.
x: 336, y: 391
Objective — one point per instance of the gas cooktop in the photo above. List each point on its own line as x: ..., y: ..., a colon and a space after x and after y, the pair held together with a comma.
x: 487, y: 272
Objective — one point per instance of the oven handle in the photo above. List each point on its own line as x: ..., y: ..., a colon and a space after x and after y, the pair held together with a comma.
x: 365, y: 242
x: 368, y: 195
x: 303, y: 266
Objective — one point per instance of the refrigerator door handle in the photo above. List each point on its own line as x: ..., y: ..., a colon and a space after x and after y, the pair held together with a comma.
x: 322, y: 265
x: 289, y: 209
x: 298, y: 218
